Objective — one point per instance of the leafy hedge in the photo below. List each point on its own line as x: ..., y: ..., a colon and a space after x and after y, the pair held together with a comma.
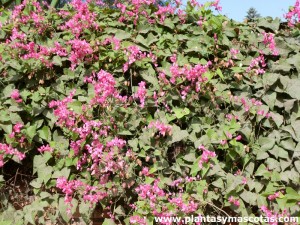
x: 139, y: 111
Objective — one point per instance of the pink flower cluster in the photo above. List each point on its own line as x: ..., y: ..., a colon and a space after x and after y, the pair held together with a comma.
x: 65, y: 116
x: 82, y: 19
x: 151, y: 192
x: 45, y: 148
x: 269, y: 214
x: 15, y: 94
x: 255, y: 65
x: 206, y: 156
x: 274, y: 196
x: 137, y: 220
x: 80, y: 49
x: 104, y: 88
x: 270, y: 42
x: 191, y: 74
x: 9, y: 150
x: 216, y: 5
x: 293, y: 15
x: 133, y: 53
x: 161, y: 127
x: 141, y: 93
x: 189, y: 207
x: 90, y: 194
x: 247, y: 105
x: 114, y: 41
x: 234, y: 52
x: 179, y: 181
x: 16, y: 129
x: 235, y: 202
x: 38, y: 52
x: 163, y: 11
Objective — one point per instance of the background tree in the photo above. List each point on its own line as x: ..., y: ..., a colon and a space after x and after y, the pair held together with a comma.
x: 252, y: 14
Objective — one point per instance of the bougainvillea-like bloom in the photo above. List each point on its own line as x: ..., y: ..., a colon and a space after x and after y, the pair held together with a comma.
x: 161, y: 127
x: 235, y: 202
x: 141, y: 93
x: 293, y: 15
x: 206, y: 155
x: 15, y: 94
x: 270, y: 42
x: 9, y: 150
x: 45, y: 148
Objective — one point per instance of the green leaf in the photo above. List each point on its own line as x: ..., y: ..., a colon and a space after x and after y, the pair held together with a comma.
x: 249, y: 197
x: 108, y: 222
x: 169, y: 23
x: 177, y: 135
x: 288, y: 144
x: 219, y: 72
x: 266, y: 143
x: 45, y: 173
x: 62, y: 207
x: 180, y: 112
x: 75, y: 106
x: 31, y: 131
x: 45, y: 133
x: 57, y: 60
x: 65, y: 172
x: 121, y: 34
x: 269, y: 23
x: 125, y: 133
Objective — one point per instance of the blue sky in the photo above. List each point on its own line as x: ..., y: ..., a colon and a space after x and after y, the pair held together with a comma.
x: 236, y: 9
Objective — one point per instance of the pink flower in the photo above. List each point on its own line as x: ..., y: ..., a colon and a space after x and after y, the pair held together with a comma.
x: 270, y: 42
x: 137, y: 220
x: 45, y: 148
x: 293, y: 15
x: 244, y: 180
x: 274, y: 196
x: 17, y: 127
x: 206, y: 155
x: 9, y: 150
x: 255, y: 63
x: 162, y: 128
x: 235, y: 202
x: 16, y: 95
x: 234, y: 52
x: 238, y: 138
x: 141, y: 93
x: 223, y: 142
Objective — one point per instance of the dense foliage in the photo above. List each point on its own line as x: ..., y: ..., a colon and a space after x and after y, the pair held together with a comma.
x: 145, y: 110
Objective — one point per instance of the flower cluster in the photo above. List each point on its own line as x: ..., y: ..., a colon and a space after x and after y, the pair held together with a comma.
x: 16, y: 129
x: 274, y: 196
x: 15, y: 94
x: 90, y: 194
x: 82, y: 19
x: 162, y: 128
x: 270, y: 42
x: 65, y: 116
x: 294, y: 14
x: 192, y: 74
x: 104, y: 88
x: 255, y: 65
x: 80, y: 49
x: 45, y: 148
x: 206, y: 156
x: 9, y: 150
x: 141, y: 93
x: 133, y: 53
x: 234, y: 201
